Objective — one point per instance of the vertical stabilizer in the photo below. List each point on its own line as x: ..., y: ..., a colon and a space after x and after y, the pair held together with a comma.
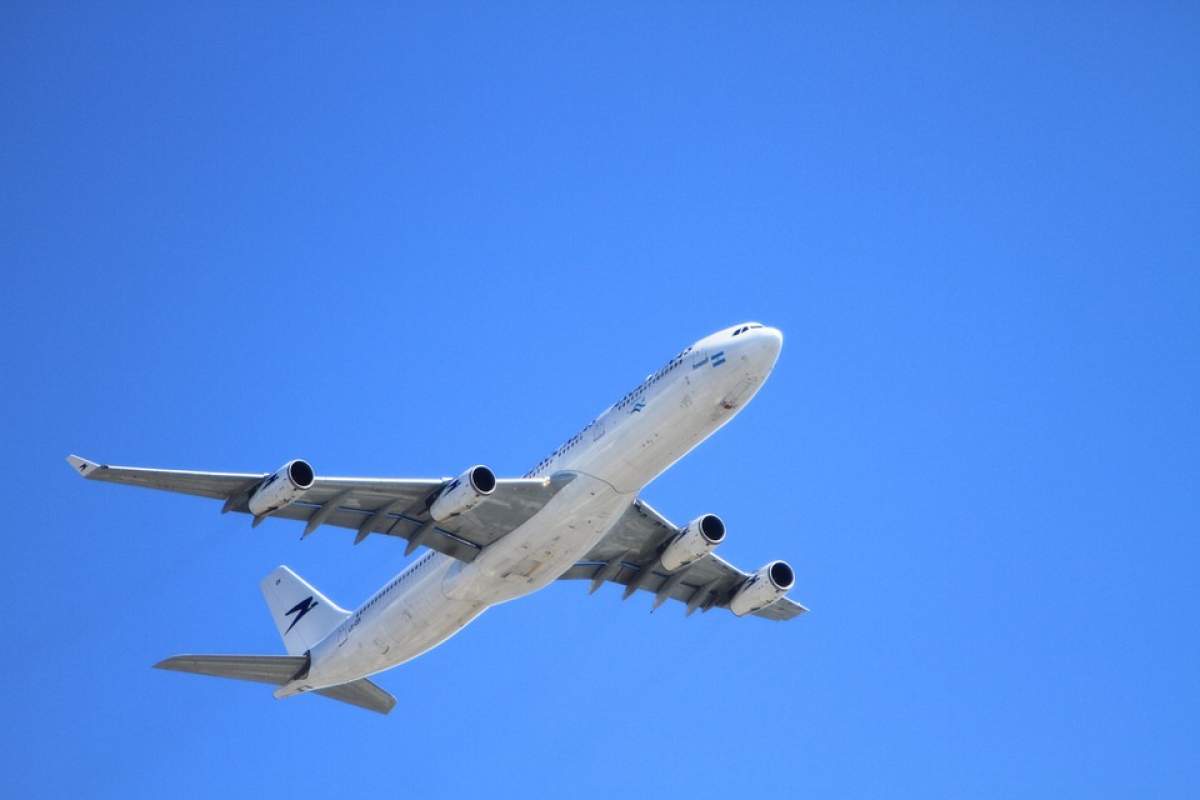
x: 302, y: 614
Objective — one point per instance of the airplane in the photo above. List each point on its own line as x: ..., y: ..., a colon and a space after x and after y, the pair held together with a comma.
x: 575, y: 515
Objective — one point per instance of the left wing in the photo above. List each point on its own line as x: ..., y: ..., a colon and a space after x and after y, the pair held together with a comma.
x: 391, y: 506
x: 629, y: 555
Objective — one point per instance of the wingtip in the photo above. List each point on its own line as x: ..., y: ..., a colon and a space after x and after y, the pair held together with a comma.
x: 82, y: 465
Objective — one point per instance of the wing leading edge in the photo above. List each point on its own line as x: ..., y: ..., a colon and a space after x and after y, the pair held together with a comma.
x: 629, y: 555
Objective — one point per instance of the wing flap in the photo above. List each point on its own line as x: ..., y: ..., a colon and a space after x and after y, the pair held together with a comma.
x: 711, y: 574
x: 396, y: 524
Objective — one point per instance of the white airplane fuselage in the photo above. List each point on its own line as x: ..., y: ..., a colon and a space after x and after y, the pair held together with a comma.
x: 611, y: 460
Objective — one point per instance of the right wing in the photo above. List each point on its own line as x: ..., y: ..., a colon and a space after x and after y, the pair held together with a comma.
x: 391, y: 506
x: 628, y: 555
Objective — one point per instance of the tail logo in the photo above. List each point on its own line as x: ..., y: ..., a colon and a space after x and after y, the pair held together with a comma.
x: 300, y: 609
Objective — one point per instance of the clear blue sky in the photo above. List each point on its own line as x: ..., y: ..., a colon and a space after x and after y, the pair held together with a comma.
x: 399, y: 242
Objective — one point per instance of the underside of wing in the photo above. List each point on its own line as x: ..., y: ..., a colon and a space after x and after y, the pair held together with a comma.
x: 631, y: 555
x: 216, y: 485
x: 389, y: 506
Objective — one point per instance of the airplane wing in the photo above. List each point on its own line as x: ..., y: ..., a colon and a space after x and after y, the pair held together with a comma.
x: 390, y: 506
x: 629, y: 555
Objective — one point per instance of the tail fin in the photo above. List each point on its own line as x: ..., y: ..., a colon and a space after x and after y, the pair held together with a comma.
x: 303, y: 615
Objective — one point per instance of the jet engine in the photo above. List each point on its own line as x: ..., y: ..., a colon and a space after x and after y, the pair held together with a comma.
x: 763, y: 588
x: 285, y: 486
x: 699, y: 538
x: 463, y: 493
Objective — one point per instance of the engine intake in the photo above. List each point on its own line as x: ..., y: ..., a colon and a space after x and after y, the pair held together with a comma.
x: 463, y: 493
x: 698, y: 539
x: 286, y: 485
x: 763, y: 588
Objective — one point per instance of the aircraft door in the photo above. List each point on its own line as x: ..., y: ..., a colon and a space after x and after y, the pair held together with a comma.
x: 699, y: 359
x: 344, y: 630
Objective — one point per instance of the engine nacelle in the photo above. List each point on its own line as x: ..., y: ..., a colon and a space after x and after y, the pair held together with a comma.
x: 288, y: 483
x: 699, y: 538
x: 463, y: 493
x: 763, y: 588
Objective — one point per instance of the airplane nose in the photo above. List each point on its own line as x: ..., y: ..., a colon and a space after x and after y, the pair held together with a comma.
x: 760, y: 347
x: 769, y: 342
x: 773, y: 337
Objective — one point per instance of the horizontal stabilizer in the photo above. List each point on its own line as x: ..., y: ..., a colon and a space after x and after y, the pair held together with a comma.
x: 278, y: 670
x: 361, y: 693
x: 275, y: 670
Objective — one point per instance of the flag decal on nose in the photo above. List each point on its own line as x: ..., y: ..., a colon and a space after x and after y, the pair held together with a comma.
x: 718, y: 358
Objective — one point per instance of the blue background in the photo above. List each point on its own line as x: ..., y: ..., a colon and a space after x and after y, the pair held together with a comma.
x: 399, y: 242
